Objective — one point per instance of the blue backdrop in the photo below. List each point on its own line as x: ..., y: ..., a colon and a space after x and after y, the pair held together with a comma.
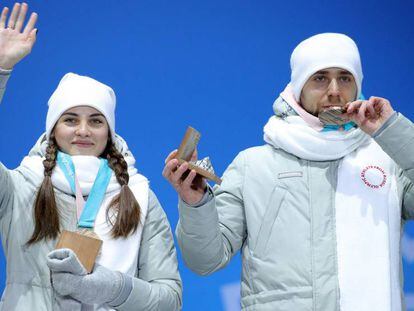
x: 216, y: 65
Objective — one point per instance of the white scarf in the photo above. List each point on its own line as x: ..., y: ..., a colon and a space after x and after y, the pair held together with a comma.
x: 367, y: 210
x: 368, y: 229
x: 295, y: 136
x: 113, y: 251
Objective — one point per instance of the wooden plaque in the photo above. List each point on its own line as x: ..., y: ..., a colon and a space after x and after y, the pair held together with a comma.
x: 202, y: 172
x: 188, y: 144
x: 186, y: 150
x: 85, y: 247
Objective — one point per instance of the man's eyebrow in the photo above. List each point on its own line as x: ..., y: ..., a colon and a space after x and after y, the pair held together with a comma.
x: 324, y: 72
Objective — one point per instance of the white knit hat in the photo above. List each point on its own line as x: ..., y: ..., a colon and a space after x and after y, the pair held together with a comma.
x: 75, y: 90
x: 326, y: 50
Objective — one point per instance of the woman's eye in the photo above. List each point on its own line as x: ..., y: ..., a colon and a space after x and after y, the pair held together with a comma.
x: 319, y: 78
x: 96, y: 121
x: 70, y: 121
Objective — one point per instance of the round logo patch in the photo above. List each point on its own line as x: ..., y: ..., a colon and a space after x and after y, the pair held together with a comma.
x: 374, y: 176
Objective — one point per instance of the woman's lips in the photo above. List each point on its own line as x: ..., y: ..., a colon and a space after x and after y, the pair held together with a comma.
x: 82, y: 144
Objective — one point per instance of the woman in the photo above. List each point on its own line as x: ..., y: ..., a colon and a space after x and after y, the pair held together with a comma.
x: 80, y: 176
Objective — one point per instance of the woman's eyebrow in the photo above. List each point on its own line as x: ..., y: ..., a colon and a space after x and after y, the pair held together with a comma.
x: 97, y: 115
x: 77, y: 115
x: 70, y: 113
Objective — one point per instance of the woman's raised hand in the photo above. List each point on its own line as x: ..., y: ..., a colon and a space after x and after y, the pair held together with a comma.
x: 16, y: 38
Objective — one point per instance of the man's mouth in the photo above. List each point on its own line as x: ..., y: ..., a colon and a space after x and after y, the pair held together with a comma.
x: 333, y: 115
x: 337, y: 107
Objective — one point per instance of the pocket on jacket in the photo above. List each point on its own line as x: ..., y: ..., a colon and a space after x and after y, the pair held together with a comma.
x: 293, y: 299
x: 269, y: 218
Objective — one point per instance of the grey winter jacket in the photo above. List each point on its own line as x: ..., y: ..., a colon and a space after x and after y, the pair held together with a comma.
x: 157, y: 285
x: 279, y: 211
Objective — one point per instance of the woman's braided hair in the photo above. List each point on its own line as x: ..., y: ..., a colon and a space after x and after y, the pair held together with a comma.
x: 125, y: 203
x: 45, y: 210
x: 128, y: 211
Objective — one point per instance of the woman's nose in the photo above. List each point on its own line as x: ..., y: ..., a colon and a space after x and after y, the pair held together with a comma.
x: 83, y: 129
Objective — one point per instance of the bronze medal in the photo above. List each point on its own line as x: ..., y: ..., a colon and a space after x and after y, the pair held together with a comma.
x: 332, y: 116
x: 84, y: 243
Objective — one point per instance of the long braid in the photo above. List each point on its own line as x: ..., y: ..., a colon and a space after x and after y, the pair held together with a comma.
x: 45, y: 209
x: 125, y: 203
x: 118, y: 164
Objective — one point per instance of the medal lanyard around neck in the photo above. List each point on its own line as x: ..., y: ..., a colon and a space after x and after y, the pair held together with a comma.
x: 88, y: 210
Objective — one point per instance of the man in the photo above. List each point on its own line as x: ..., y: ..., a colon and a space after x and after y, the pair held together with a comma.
x: 318, y: 210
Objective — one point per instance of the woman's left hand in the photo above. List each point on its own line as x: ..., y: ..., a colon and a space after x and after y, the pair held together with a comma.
x: 69, y: 278
x: 369, y: 114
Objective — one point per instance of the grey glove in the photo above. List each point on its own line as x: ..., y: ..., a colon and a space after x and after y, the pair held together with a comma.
x: 65, y: 260
x: 66, y: 303
x: 61, y: 260
x: 102, y: 286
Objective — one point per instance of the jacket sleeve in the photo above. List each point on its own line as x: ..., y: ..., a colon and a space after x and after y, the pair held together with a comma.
x: 1, y: 93
x: 158, y: 283
x: 397, y: 140
x: 4, y: 76
x: 6, y: 182
x: 6, y: 190
x: 210, y: 234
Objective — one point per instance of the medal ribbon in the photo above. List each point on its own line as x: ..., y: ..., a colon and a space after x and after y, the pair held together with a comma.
x: 86, y: 211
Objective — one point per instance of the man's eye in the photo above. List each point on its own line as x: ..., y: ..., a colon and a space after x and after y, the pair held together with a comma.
x: 345, y: 79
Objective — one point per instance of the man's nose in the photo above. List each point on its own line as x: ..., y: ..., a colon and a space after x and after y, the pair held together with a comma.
x: 333, y: 88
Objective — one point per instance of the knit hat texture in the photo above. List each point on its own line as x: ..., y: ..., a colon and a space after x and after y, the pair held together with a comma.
x: 326, y: 50
x: 75, y: 90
